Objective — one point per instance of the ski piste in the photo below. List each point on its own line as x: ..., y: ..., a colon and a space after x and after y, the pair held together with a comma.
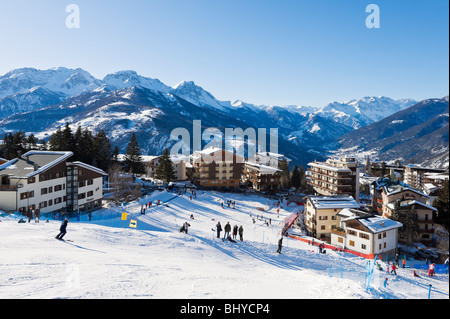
x: 151, y: 258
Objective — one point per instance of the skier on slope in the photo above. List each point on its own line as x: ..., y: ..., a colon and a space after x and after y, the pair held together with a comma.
x: 280, y: 245
x: 62, y: 229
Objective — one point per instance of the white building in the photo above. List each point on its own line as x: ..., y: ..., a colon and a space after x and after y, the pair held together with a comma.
x: 366, y: 235
x: 48, y: 181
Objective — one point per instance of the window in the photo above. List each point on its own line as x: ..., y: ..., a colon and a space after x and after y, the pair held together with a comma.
x: 365, y: 236
x: 31, y: 180
x: 58, y: 200
x: 43, y: 204
x: 90, y: 193
x: 340, y: 240
x: 90, y: 182
x: 50, y: 189
x: 43, y: 191
x: 58, y: 188
x: 352, y: 232
x: 322, y: 227
x: 50, y: 202
x: 323, y: 217
x: 384, y: 234
x: 363, y: 246
x: 351, y: 243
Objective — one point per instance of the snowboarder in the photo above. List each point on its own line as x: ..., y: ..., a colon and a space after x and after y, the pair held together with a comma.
x: 227, y: 230
x: 219, y: 229
x: 62, y: 229
x: 241, y: 233
x: 280, y: 245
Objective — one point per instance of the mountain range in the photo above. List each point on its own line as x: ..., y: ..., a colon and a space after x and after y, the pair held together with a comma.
x: 40, y: 101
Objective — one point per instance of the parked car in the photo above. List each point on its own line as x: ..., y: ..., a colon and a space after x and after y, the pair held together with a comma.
x: 427, y: 253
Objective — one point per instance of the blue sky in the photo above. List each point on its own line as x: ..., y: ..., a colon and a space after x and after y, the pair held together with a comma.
x: 260, y: 51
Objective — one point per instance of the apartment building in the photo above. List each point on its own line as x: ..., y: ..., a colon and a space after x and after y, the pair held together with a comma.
x: 216, y: 168
x: 389, y: 195
x: 335, y: 177
x: 262, y: 177
x: 416, y: 176
x: 366, y: 235
x: 48, y: 181
x: 321, y: 214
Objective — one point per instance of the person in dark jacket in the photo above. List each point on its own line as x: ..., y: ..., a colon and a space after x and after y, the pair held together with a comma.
x: 219, y: 229
x: 235, y: 231
x: 62, y: 229
x: 280, y: 245
x: 241, y: 233
x: 227, y: 230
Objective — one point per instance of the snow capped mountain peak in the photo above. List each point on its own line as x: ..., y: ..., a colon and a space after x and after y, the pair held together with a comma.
x: 364, y: 111
x: 130, y: 78
x: 195, y: 94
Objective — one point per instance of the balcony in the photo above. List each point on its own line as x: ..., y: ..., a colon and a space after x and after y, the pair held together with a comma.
x: 10, y: 187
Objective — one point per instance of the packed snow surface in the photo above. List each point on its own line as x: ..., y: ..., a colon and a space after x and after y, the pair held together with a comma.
x: 105, y: 258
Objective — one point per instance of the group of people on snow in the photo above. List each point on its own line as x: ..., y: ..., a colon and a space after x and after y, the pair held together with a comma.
x: 227, y: 230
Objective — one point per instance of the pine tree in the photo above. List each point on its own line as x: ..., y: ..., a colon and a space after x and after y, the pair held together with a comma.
x: 133, y: 159
x: 285, y: 178
x: 441, y: 203
x: 102, y: 150
x: 165, y: 170
x: 295, y: 177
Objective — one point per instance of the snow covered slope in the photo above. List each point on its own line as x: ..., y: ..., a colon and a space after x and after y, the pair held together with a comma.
x: 100, y: 259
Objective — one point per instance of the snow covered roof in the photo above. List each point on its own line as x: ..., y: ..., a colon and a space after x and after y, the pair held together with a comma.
x: 89, y: 167
x: 395, y: 189
x: 410, y: 203
x: 33, y: 163
x: 145, y: 158
x: 277, y: 156
x: 333, y: 202
x: 326, y: 166
x: 378, y: 224
x: 264, y: 169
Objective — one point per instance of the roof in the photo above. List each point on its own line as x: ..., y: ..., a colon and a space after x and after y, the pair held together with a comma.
x: 329, y: 167
x: 33, y: 163
x: 378, y: 224
x: 406, y: 203
x: 274, y: 155
x: 145, y: 158
x: 333, y: 202
x: 89, y: 167
x: 264, y: 169
x: 395, y: 189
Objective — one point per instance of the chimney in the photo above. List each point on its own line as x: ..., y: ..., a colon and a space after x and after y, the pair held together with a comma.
x: 36, y: 167
x: 392, y: 175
